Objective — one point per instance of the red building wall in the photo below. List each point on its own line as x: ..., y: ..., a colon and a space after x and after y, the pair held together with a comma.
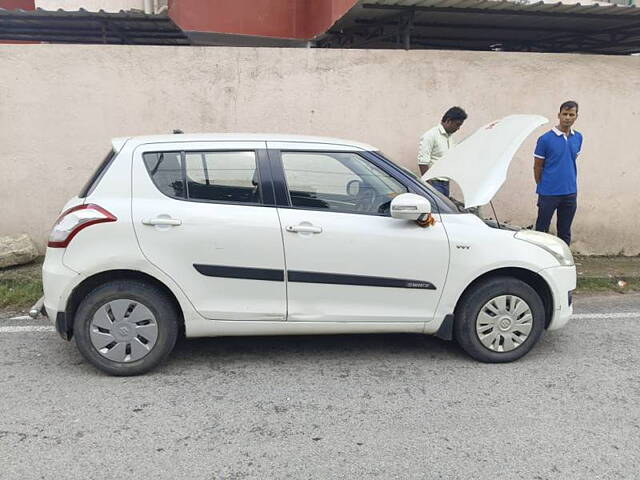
x: 296, y: 19
x: 14, y: 5
x: 323, y: 14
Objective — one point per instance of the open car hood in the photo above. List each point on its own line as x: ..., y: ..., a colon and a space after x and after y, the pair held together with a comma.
x: 480, y: 162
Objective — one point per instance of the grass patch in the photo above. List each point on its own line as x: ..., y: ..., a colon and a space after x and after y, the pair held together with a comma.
x: 19, y: 294
x: 599, y: 284
x: 21, y: 286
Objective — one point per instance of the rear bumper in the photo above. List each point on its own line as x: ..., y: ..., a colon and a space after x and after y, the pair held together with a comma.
x: 57, y: 282
x: 62, y: 327
x: 562, y: 281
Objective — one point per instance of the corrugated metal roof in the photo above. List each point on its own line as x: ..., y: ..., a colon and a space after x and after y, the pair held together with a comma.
x: 491, y: 5
x: 486, y: 25
x: 61, y: 26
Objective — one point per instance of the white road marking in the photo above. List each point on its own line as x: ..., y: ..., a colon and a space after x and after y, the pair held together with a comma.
x: 30, y: 328
x: 575, y: 316
x: 24, y: 317
x: 580, y: 316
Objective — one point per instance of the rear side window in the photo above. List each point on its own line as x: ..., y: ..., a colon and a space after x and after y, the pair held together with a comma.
x: 230, y: 177
x: 94, y: 180
x: 165, y: 170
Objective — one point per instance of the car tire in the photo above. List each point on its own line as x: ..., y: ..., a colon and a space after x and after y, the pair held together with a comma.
x: 499, y: 320
x: 126, y: 327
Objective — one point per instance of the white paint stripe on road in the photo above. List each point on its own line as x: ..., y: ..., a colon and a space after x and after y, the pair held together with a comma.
x: 30, y: 328
x: 589, y: 316
x: 575, y: 316
x: 24, y: 317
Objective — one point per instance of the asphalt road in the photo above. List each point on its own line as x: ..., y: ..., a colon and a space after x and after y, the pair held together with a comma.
x: 330, y: 407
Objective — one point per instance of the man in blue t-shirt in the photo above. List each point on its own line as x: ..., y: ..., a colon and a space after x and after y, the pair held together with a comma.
x: 555, y: 172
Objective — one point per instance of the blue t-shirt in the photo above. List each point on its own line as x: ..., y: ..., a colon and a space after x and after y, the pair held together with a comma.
x: 559, y: 153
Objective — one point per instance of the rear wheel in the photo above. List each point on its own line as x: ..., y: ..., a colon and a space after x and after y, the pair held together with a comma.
x: 500, y: 320
x: 126, y: 327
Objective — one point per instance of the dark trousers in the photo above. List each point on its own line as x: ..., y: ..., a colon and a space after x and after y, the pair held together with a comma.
x: 441, y: 185
x: 565, y: 208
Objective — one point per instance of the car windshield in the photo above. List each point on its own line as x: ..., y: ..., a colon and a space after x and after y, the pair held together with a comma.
x: 453, y: 205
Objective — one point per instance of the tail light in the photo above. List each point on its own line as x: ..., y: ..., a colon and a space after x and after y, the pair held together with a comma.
x: 75, y: 219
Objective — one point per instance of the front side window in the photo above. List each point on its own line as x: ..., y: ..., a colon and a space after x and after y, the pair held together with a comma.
x: 338, y: 182
x: 230, y: 177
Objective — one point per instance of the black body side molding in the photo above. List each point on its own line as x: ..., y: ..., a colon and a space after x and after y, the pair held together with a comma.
x: 240, y: 272
x: 361, y: 280
x: 275, y: 275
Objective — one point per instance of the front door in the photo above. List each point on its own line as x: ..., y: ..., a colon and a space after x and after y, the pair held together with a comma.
x: 347, y: 259
x: 201, y: 215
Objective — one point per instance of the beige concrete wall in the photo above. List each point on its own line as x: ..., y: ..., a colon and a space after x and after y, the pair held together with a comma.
x: 60, y: 106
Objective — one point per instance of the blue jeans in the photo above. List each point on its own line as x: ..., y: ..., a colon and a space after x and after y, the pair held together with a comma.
x: 565, y: 207
x: 441, y: 185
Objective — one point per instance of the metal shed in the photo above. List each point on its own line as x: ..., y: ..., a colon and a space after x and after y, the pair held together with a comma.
x: 487, y: 25
x: 81, y: 26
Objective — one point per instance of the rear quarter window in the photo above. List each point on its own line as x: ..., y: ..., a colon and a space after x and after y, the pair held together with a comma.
x: 165, y: 169
x: 97, y: 175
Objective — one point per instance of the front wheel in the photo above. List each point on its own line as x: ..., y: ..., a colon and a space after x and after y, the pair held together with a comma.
x: 500, y: 320
x: 126, y: 327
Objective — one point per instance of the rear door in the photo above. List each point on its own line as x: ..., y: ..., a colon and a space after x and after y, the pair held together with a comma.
x: 347, y: 259
x: 204, y: 214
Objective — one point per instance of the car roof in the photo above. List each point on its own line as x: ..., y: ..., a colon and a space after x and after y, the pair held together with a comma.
x: 118, y: 143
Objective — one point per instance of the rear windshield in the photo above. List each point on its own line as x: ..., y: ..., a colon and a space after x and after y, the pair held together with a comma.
x: 94, y: 180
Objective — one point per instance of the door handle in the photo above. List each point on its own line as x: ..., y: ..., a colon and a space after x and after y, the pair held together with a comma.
x: 302, y: 228
x: 174, y: 222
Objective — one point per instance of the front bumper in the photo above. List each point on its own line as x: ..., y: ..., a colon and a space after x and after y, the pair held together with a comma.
x: 562, y: 281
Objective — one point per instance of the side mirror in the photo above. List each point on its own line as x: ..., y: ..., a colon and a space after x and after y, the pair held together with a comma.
x: 409, y: 206
x: 353, y: 187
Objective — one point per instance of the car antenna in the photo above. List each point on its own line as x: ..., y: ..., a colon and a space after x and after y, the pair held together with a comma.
x: 177, y: 131
x: 495, y: 216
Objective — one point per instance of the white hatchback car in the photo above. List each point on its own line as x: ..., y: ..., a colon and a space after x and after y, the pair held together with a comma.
x: 230, y: 234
